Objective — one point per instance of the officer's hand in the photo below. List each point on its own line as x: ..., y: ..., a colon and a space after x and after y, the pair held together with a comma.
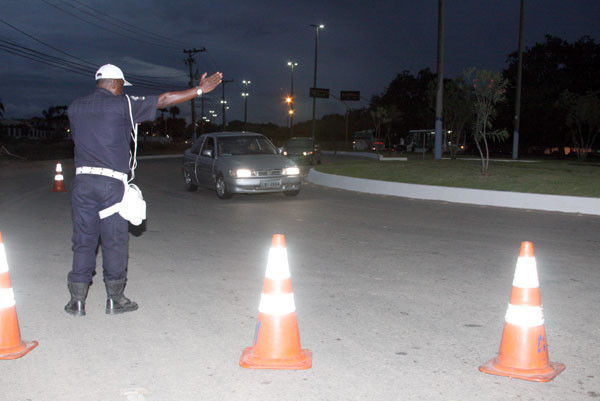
x: 207, y: 84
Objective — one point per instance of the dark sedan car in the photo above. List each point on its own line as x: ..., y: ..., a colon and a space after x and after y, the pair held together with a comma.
x: 239, y: 162
x: 303, y: 150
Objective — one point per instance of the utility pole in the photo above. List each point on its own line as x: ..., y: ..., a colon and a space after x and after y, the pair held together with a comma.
x: 245, y: 95
x: 190, y: 61
x: 292, y: 64
x: 224, y: 102
x: 439, y: 102
x: 515, y: 149
x: 317, y: 27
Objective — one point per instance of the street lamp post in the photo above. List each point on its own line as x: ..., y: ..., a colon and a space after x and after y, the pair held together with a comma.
x: 317, y: 27
x: 292, y: 64
x: 245, y: 95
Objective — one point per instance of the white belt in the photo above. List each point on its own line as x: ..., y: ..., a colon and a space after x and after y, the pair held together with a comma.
x: 102, y: 171
x: 109, y: 211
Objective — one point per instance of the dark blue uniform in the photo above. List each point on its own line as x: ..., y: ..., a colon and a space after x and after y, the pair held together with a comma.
x: 101, y: 129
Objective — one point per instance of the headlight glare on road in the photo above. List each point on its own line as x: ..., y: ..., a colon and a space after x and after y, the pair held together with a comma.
x: 291, y: 171
x: 243, y: 173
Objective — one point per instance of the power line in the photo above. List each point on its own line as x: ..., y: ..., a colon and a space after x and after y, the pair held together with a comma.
x: 45, y: 44
x: 78, y: 58
x: 34, y: 55
x: 104, y: 28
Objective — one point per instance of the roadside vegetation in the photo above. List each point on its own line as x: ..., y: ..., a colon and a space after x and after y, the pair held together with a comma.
x: 555, y: 177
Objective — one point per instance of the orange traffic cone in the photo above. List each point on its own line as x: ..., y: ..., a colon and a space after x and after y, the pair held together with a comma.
x: 277, y: 339
x: 11, y: 346
x: 59, y: 179
x: 523, y: 350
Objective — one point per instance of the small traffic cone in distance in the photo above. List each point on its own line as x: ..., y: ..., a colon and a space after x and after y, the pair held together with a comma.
x: 277, y: 339
x: 59, y: 179
x: 11, y: 346
x: 523, y: 349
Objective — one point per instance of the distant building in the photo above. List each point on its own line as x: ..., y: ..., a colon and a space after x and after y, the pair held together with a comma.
x: 34, y: 128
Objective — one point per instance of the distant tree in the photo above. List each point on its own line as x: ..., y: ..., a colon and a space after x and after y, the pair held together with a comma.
x: 488, y: 90
x: 383, y: 117
x: 174, y: 111
x: 549, y: 68
x: 57, y: 119
x: 409, y: 94
x: 583, y: 120
x: 458, y: 108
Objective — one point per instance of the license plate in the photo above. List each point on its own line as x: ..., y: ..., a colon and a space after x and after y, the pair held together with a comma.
x: 270, y: 184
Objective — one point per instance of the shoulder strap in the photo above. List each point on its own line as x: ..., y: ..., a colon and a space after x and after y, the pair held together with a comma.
x: 134, y: 136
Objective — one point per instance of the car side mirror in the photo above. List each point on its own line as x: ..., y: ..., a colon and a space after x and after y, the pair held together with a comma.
x: 207, y: 153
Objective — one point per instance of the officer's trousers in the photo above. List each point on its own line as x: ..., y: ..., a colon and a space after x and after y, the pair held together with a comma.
x: 90, y: 194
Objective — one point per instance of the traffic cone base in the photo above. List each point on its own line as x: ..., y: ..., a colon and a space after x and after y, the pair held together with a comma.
x: 252, y: 361
x: 277, y: 345
x: 17, y: 352
x: 546, y: 374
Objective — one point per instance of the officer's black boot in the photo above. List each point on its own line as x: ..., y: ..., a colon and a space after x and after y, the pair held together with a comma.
x: 116, y: 302
x: 76, y: 305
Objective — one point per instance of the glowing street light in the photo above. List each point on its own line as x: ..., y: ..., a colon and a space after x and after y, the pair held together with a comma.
x: 290, y: 100
x: 245, y: 95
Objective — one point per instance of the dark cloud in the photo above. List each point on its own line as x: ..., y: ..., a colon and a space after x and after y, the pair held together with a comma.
x: 364, y: 45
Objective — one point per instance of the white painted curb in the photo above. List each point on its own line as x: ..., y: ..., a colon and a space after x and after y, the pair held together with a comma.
x: 520, y: 200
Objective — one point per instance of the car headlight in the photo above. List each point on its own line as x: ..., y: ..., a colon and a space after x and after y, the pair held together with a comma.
x: 304, y: 153
x: 285, y: 152
x: 291, y: 171
x: 240, y: 173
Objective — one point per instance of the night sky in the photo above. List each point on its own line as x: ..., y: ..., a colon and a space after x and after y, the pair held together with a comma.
x: 363, y: 46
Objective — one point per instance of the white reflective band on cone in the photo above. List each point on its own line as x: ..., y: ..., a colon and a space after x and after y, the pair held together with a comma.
x: 7, y: 298
x: 59, y: 168
x: 277, y: 304
x: 3, y: 263
x: 277, y: 265
x: 524, y: 316
x: 59, y: 177
x: 526, y: 273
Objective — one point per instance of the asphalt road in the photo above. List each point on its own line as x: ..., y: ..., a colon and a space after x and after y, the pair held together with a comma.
x: 398, y: 299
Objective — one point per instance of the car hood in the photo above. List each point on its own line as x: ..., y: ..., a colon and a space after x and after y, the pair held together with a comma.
x: 254, y: 162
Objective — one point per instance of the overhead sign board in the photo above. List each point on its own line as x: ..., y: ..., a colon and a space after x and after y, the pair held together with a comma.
x: 319, y: 92
x: 349, y: 95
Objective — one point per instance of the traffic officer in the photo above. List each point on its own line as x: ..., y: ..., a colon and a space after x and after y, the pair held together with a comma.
x: 101, y: 127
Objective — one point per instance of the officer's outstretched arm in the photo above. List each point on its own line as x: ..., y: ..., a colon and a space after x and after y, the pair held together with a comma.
x: 207, y: 84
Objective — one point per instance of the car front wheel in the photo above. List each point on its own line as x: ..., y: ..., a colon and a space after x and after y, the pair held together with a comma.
x: 221, y: 188
x: 189, y: 184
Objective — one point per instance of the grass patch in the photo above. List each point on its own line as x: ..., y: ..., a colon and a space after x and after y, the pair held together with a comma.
x: 556, y: 177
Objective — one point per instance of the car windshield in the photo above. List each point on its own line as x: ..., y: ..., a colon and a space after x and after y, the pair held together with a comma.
x: 299, y: 142
x: 244, y: 145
